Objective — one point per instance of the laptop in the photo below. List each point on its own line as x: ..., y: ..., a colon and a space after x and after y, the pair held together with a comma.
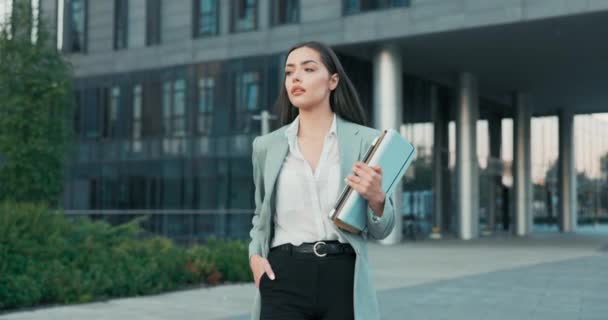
x: 393, y: 154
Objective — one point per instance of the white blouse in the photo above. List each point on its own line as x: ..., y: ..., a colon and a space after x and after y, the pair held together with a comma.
x: 305, y: 198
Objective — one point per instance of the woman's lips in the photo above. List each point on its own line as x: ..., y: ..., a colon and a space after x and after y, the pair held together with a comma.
x: 297, y: 90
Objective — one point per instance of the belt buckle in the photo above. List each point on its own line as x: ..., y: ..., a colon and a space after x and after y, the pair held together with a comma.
x: 314, y: 249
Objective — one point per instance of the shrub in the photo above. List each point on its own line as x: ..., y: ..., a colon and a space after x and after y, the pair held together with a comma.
x: 48, y: 258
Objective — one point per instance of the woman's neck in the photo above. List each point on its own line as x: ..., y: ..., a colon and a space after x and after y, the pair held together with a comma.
x: 315, y: 123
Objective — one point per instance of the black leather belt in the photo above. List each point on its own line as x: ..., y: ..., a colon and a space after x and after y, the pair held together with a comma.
x: 319, y: 248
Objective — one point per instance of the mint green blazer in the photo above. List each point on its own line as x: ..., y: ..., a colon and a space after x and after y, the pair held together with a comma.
x: 269, y: 153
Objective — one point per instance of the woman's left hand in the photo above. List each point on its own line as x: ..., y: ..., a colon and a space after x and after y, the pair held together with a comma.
x: 368, y: 182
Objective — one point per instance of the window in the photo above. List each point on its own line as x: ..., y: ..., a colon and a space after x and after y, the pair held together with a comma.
x: 285, y: 11
x: 205, y: 19
x: 247, y: 100
x: 174, y: 108
x: 356, y: 6
x: 77, y: 112
x: 93, y: 104
x: 136, y: 128
x: 206, y: 101
x: 242, y: 191
x: 110, y: 111
x: 172, y: 185
x: 153, y: 22
x: 174, y: 116
x: 76, y: 25
x: 152, y: 124
x: 121, y: 23
x: 244, y: 15
x: 208, y: 182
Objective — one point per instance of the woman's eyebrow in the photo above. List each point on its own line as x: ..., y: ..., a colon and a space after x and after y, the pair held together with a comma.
x: 302, y: 63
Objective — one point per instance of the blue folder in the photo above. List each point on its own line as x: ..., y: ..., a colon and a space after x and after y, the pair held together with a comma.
x: 393, y: 154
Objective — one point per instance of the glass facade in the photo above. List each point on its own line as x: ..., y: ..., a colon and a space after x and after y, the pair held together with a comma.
x: 418, y: 129
x: 174, y: 144
x: 591, y: 150
x: 545, y: 205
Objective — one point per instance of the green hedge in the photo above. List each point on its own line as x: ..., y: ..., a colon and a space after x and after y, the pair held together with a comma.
x: 48, y: 258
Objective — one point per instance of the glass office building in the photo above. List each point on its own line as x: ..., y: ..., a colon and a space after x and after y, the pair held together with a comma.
x: 167, y: 91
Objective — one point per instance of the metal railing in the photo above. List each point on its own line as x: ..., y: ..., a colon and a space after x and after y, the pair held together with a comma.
x: 183, y: 226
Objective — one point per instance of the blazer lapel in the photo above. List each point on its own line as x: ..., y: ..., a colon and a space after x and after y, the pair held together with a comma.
x: 349, y: 144
x: 274, y: 161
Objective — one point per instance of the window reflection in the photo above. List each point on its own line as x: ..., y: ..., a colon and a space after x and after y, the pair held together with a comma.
x: 174, y: 116
x: 77, y: 25
x: 247, y: 99
x: 206, y: 87
x: 206, y: 17
x: 137, y: 119
x: 121, y: 23
x: 357, y: 6
x: 153, y: 22
x: 418, y: 183
x: 285, y: 11
x: 591, y: 161
x: 244, y: 15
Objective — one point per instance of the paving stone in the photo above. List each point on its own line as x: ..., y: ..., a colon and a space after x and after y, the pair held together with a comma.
x: 542, y: 278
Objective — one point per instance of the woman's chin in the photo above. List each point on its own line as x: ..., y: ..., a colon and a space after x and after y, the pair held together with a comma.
x: 303, y: 106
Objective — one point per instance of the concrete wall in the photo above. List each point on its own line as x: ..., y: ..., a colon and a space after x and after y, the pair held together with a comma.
x: 320, y: 20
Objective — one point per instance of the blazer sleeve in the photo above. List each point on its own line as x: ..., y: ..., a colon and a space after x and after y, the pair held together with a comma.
x: 380, y: 228
x: 256, y: 233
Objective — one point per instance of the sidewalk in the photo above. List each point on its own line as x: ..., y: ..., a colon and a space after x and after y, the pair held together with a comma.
x: 545, y: 276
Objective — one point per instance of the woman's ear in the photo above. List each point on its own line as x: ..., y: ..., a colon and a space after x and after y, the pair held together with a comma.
x: 333, y: 81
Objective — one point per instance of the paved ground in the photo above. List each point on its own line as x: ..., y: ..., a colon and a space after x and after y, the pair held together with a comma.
x: 545, y: 276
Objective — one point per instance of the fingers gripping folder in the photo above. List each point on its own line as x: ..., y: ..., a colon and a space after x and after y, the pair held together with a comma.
x: 393, y: 154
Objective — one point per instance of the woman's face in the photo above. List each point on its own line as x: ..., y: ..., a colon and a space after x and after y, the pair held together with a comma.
x: 307, y: 80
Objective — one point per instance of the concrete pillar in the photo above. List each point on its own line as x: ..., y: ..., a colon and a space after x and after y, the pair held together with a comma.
x: 264, y: 14
x: 467, y: 176
x: 440, y: 164
x: 388, y: 105
x: 522, y: 178
x: 495, y: 131
x: 567, y: 173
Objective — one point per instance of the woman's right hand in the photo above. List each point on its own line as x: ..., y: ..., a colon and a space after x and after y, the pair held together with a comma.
x: 259, y: 266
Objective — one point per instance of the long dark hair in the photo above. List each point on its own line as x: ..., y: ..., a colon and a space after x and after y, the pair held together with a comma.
x: 343, y: 100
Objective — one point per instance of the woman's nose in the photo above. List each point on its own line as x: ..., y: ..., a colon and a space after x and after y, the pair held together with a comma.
x: 296, y: 77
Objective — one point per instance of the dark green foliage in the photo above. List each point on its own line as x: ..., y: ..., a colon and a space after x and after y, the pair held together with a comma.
x: 35, y: 107
x: 231, y: 258
x: 48, y: 258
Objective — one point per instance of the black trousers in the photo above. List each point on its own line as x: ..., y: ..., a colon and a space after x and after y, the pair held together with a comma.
x: 308, y: 287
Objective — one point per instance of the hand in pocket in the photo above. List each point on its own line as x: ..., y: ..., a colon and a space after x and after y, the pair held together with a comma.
x: 259, y: 266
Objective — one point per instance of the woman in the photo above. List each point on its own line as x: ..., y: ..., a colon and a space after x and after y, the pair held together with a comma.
x: 304, y: 266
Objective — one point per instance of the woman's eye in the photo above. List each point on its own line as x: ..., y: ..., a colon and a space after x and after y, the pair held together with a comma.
x: 309, y: 70
x: 287, y: 73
